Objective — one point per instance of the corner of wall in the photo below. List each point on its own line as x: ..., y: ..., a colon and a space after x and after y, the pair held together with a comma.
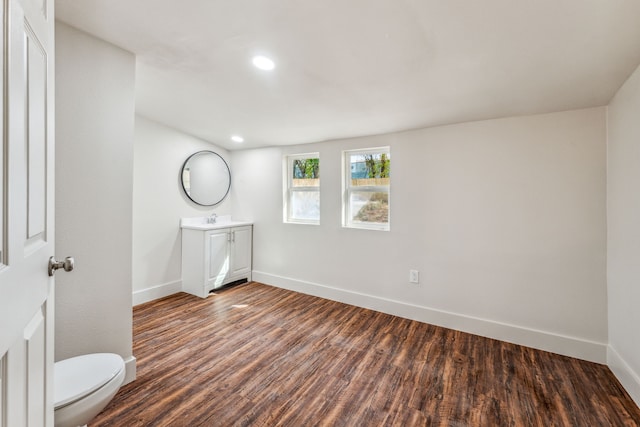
x: 131, y: 370
x: 623, y: 207
x: 629, y: 379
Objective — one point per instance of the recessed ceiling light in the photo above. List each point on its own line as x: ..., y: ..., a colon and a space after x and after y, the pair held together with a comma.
x: 237, y: 138
x: 263, y: 63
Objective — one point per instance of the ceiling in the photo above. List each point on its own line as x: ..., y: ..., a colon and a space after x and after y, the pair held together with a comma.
x: 349, y: 68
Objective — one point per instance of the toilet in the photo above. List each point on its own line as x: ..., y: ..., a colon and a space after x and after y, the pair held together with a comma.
x: 84, y: 385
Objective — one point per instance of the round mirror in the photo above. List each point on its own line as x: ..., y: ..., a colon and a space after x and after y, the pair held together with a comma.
x: 206, y: 178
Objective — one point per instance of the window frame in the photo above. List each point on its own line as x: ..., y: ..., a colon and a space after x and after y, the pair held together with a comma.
x: 289, y: 189
x: 348, y: 189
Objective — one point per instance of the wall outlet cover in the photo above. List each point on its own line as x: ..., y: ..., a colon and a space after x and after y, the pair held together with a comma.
x: 414, y: 276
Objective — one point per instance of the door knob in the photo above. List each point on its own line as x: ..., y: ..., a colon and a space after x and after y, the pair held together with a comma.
x: 67, y: 264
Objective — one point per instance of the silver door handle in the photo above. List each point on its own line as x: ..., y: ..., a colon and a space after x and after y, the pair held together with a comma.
x: 67, y: 264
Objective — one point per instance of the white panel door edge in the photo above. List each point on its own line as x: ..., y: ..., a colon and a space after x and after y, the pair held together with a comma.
x: 27, y: 214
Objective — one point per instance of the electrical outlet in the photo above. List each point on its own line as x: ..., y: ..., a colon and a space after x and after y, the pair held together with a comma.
x: 414, y: 276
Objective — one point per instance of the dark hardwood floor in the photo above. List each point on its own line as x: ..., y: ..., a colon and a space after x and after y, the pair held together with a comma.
x: 255, y: 355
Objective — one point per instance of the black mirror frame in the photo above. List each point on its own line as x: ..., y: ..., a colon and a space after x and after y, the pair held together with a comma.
x: 182, y: 177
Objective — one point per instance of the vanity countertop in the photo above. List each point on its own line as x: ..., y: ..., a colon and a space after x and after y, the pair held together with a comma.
x: 201, y: 223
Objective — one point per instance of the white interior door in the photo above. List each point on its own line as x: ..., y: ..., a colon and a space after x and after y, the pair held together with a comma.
x: 26, y: 213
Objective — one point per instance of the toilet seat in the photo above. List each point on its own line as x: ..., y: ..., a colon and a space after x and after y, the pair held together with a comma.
x: 80, y: 376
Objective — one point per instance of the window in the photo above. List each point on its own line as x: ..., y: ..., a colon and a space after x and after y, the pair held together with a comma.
x: 302, y: 181
x: 366, y: 188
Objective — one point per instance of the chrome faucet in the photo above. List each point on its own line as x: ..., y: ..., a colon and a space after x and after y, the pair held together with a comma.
x: 212, y: 218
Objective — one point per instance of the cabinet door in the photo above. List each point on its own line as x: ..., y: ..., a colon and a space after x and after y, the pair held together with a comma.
x: 240, y: 251
x: 218, y: 257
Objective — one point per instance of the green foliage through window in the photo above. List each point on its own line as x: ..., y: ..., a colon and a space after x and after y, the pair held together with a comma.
x: 306, y: 168
x: 377, y: 165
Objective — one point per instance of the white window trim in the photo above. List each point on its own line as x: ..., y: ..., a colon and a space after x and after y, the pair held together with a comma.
x: 347, y: 222
x: 289, y: 189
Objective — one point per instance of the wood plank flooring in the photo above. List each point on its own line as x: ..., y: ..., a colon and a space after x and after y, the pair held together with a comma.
x: 255, y: 355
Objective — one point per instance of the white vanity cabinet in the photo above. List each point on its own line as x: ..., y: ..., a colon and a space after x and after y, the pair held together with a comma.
x: 214, y: 255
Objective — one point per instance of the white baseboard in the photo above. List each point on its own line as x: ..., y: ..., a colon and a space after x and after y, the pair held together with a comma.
x: 560, y: 344
x: 155, y: 292
x: 629, y: 379
x: 130, y: 367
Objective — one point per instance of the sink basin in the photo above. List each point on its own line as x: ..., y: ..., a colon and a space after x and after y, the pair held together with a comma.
x: 202, y: 223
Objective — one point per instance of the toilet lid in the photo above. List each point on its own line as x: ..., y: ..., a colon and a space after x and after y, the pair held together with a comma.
x: 79, y: 376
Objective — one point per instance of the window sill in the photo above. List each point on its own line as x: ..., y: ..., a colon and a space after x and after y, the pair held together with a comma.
x: 373, y: 227
x: 301, y: 222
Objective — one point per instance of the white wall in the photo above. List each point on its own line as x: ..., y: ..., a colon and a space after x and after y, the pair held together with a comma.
x: 504, y: 219
x: 94, y: 176
x: 623, y: 244
x: 158, y: 204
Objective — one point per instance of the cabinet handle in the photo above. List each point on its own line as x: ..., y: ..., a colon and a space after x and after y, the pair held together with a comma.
x: 233, y: 236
